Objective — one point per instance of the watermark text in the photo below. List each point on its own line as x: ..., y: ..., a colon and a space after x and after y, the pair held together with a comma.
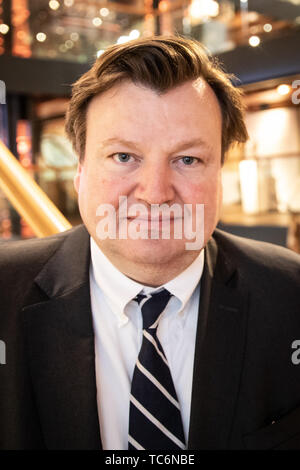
x: 296, y: 354
x: 2, y: 92
x: 2, y: 352
x: 296, y: 93
x: 159, y: 221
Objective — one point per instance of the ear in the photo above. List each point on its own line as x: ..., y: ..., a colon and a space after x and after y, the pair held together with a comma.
x: 77, y: 177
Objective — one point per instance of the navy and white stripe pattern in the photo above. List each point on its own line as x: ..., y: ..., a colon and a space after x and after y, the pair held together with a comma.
x: 154, y: 417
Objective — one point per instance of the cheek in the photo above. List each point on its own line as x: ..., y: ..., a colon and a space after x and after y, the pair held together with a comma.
x: 208, y: 192
x: 95, y: 189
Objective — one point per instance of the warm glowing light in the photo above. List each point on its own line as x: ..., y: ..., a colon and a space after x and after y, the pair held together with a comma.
x: 134, y: 34
x: 97, y: 21
x: 54, y: 4
x: 254, y: 41
x: 68, y: 3
x: 283, y: 89
x: 23, y: 146
x: 69, y: 44
x: 104, y: 11
x: 74, y: 36
x: 41, y: 37
x: 4, y: 28
x: 163, y: 6
x: 123, y: 39
x: 249, y: 186
x: 268, y: 27
x: 214, y: 8
x: 203, y: 8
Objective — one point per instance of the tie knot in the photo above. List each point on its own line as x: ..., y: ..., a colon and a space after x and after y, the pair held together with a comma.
x: 153, y: 306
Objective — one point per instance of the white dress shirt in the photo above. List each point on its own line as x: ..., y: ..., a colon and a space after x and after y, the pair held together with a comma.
x: 117, y: 324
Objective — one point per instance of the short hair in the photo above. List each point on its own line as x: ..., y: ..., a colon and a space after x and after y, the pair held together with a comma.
x: 159, y: 63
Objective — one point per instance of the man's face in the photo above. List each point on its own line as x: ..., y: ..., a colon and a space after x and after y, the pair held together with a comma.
x: 153, y: 149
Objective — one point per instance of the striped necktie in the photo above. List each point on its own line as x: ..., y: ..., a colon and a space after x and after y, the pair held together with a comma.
x: 154, y: 415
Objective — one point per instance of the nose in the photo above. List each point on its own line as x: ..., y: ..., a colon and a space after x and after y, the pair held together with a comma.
x: 154, y: 185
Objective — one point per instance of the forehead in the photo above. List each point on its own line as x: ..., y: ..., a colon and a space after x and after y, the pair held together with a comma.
x: 132, y: 110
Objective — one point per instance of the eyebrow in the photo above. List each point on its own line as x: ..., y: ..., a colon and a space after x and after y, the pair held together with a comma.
x: 181, y: 146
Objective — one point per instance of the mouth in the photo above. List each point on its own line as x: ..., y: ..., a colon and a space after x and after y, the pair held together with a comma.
x: 154, y: 219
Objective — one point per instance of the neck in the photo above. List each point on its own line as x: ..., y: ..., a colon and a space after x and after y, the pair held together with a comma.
x: 151, y: 274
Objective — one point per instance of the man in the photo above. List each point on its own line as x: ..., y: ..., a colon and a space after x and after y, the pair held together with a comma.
x: 136, y: 341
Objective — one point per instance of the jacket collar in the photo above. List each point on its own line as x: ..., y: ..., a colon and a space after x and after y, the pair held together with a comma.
x: 60, y: 343
x: 219, y: 350
x: 68, y: 268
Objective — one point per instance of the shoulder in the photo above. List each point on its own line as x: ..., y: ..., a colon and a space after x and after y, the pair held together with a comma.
x: 259, y: 260
x: 27, y: 257
x: 22, y: 262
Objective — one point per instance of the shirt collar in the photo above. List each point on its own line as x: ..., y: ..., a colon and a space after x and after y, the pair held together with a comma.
x: 110, y: 280
x: 183, y: 285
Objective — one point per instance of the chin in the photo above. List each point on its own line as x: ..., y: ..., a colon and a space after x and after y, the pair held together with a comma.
x: 149, y: 252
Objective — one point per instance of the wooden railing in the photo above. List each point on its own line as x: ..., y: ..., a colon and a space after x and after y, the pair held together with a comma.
x: 28, y: 198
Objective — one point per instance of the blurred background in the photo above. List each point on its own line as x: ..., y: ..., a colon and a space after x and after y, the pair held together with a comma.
x: 46, y: 45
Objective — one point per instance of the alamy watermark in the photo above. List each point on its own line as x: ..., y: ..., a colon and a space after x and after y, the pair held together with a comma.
x: 296, y: 93
x: 160, y: 221
x: 296, y: 354
x: 2, y: 352
x: 2, y: 92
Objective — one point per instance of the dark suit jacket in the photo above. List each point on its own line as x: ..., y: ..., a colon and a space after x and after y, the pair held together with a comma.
x: 244, y: 378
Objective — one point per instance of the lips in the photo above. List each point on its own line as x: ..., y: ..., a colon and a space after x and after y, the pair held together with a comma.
x: 154, y: 219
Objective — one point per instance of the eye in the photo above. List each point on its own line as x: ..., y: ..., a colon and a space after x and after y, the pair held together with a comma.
x: 122, y: 157
x: 188, y: 160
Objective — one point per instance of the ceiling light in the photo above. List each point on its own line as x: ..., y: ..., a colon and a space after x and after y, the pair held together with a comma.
x: 4, y: 28
x: 163, y: 6
x: 123, y: 39
x: 134, y: 34
x: 213, y: 8
x: 97, y: 21
x: 203, y: 8
x: 268, y: 27
x: 104, y: 11
x: 41, y: 37
x: 54, y: 4
x: 74, y: 36
x: 254, y: 41
x: 69, y: 44
x: 283, y: 89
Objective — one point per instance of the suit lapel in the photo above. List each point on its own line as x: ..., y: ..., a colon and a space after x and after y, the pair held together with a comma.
x: 219, y: 352
x: 61, y: 348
